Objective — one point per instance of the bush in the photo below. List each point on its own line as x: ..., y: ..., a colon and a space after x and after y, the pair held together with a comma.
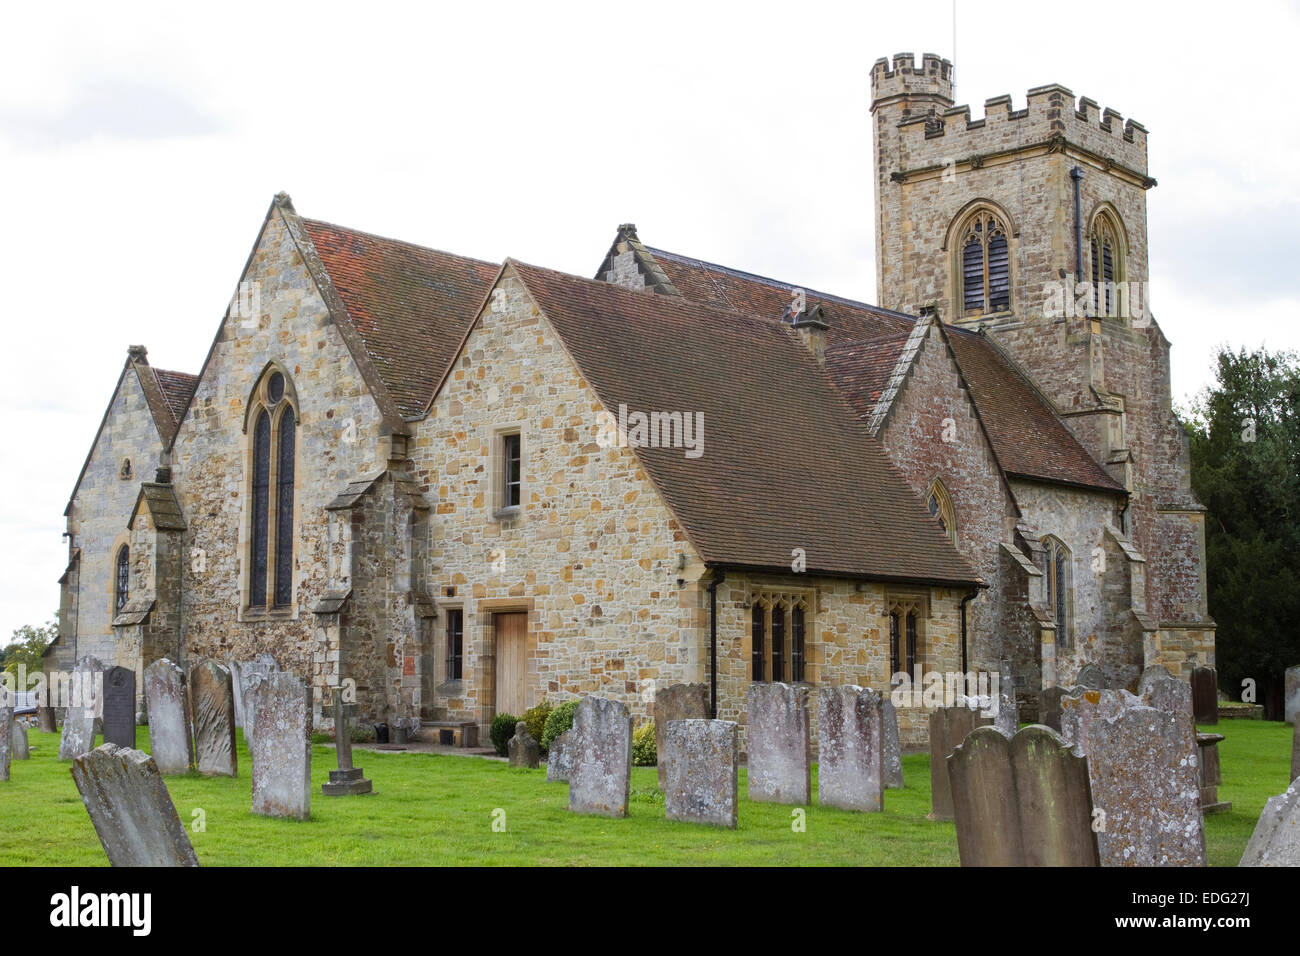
x: 535, y: 718
x: 503, y: 728
x: 644, y: 753
x: 559, y: 722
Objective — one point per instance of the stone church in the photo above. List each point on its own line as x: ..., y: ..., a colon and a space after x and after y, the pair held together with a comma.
x: 468, y: 487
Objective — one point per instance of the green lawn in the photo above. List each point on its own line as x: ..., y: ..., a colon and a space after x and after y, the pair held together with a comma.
x: 435, y: 810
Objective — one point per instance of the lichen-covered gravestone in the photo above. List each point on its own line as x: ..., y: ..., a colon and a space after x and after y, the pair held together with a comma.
x: 21, y: 750
x: 1291, y: 694
x: 893, y: 750
x: 45, y: 721
x: 282, y: 747
x: 1021, y: 801
x: 171, y: 732
x: 522, y: 750
x: 948, y: 728
x: 1143, y: 770
x: 676, y: 702
x: 1078, y: 713
x: 1205, y: 695
x: 6, y: 736
x: 212, y: 701
x: 1007, y: 718
x: 1170, y: 695
x: 851, y: 743
x: 778, y: 731
x: 1092, y: 677
x: 601, y: 777
x: 119, y: 707
x: 1276, y: 840
x: 79, y: 718
x: 702, y: 778
x: 559, y: 758
x: 1152, y: 674
x: 251, y: 674
x: 130, y: 808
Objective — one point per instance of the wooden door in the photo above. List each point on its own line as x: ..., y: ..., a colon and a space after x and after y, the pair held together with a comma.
x: 511, y: 640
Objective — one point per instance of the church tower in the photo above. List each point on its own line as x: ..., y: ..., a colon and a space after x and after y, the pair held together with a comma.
x: 1029, y: 226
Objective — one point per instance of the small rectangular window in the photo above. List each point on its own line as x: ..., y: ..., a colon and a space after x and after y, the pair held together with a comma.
x: 455, y: 642
x: 778, y: 643
x: 512, y: 471
x: 796, y: 645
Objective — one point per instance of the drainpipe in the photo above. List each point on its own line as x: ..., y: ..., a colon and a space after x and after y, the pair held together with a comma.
x: 718, y: 577
x: 1077, y: 175
x: 974, y: 591
x: 1123, y: 514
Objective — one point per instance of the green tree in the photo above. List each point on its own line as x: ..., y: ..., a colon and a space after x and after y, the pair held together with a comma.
x: 26, y: 646
x: 1245, y: 449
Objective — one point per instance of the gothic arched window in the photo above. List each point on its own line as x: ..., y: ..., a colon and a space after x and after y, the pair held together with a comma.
x: 122, y: 586
x: 1106, y: 261
x: 1060, y: 597
x: 271, y: 532
x: 939, y: 503
x: 985, y: 264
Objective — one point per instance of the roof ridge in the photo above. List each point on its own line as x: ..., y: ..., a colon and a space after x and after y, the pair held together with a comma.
x: 400, y: 242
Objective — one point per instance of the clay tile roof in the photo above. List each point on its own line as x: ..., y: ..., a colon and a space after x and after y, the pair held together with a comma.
x: 177, y: 387
x: 785, y: 464
x: 1027, y: 436
x: 410, y: 305
x: 861, y: 370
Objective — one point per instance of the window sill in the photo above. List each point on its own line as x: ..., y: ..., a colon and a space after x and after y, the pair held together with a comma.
x: 507, y: 514
x: 252, y: 614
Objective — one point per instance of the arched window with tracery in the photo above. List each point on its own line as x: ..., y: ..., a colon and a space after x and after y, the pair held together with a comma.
x: 985, y: 264
x: 939, y: 503
x: 1106, y: 263
x: 1060, y: 584
x: 274, y: 412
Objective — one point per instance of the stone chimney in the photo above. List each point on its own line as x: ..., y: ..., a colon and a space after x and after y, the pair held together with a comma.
x: 812, y: 326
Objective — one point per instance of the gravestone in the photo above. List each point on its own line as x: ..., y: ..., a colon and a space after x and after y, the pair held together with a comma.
x: 1007, y: 719
x: 522, y: 750
x: 130, y: 808
x: 237, y: 691
x: 676, y: 702
x: 1295, y: 751
x: 45, y: 721
x: 79, y: 717
x: 893, y: 750
x: 851, y: 743
x: 1143, y: 771
x: 1078, y: 713
x: 250, y: 677
x: 777, y: 729
x: 1205, y: 695
x: 948, y: 728
x: 601, y: 776
x: 559, y: 758
x: 21, y: 750
x: 1021, y: 800
x: 119, y: 707
x: 347, y: 780
x: 702, y: 779
x: 1092, y: 677
x: 1150, y: 675
x: 1171, y: 695
x: 212, y: 703
x: 6, y: 736
x: 1050, y: 709
x: 1209, y: 774
x: 1276, y: 840
x: 282, y: 747
x: 171, y: 732
x: 1291, y: 691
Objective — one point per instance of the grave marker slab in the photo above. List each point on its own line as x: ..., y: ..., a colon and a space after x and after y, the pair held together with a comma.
x: 949, y: 726
x: 119, y: 707
x: 79, y: 717
x: 522, y: 750
x: 1007, y: 719
x: 281, y: 748
x: 347, y: 780
x: 1209, y: 774
x: 1171, y: 695
x: 559, y: 758
x: 1205, y: 695
x: 1291, y: 694
x: 1021, y: 801
x: 893, y: 750
x: 1078, y: 713
x: 6, y: 738
x: 130, y: 808
x: 778, y: 731
x: 601, y: 776
x: 1276, y: 839
x: 1050, y: 707
x: 851, y: 743
x: 21, y: 749
x: 171, y: 731
x: 212, y: 703
x: 1092, y: 677
x: 1143, y: 771
x: 1295, y: 751
x: 1150, y: 675
x: 702, y: 778
x: 250, y: 676
x: 676, y: 702
x: 45, y: 721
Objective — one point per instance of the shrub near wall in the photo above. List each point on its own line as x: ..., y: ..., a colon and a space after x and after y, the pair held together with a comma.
x: 560, y: 721
x: 535, y: 718
x: 644, y: 753
x: 503, y: 728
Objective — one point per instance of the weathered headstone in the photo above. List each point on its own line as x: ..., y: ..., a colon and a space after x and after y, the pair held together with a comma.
x: 119, y: 707
x: 702, y: 777
x: 1007, y: 718
x: 1143, y: 770
x: 1291, y: 694
x: 1021, y: 800
x: 347, y: 780
x: 1171, y: 695
x: 676, y: 702
x: 1078, y: 713
x: 948, y: 728
x: 237, y: 690
x: 6, y: 737
x: 522, y: 750
x: 1209, y: 775
x: 1150, y: 675
x: 559, y: 758
x: 1049, y: 712
x: 79, y: 717
x: 601, y: 777
x: 778, y: 732
x: 251, y: 674
x: 1205, y: 695
x: 1295, y: 751
x: 282, y: 747
x: 21, y: 749
x: 212, y: 703
x: 132, y: 812
x: 1092, y: 677
x: 851, y: 744
x: 893, y: 749
x: 1276, y: 840
x: 45, y: 721
x: 171, y: 732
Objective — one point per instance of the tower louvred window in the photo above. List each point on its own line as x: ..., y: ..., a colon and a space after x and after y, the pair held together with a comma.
x: 1105, y: 260
x: 985, y: 265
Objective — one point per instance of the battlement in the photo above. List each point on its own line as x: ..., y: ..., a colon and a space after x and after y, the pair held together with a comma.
x: 1051, y: 113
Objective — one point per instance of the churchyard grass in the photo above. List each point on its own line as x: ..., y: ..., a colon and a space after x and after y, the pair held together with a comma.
x: 438, y: 810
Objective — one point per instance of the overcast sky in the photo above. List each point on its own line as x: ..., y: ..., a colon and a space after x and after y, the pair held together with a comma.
x: 141, y: 145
